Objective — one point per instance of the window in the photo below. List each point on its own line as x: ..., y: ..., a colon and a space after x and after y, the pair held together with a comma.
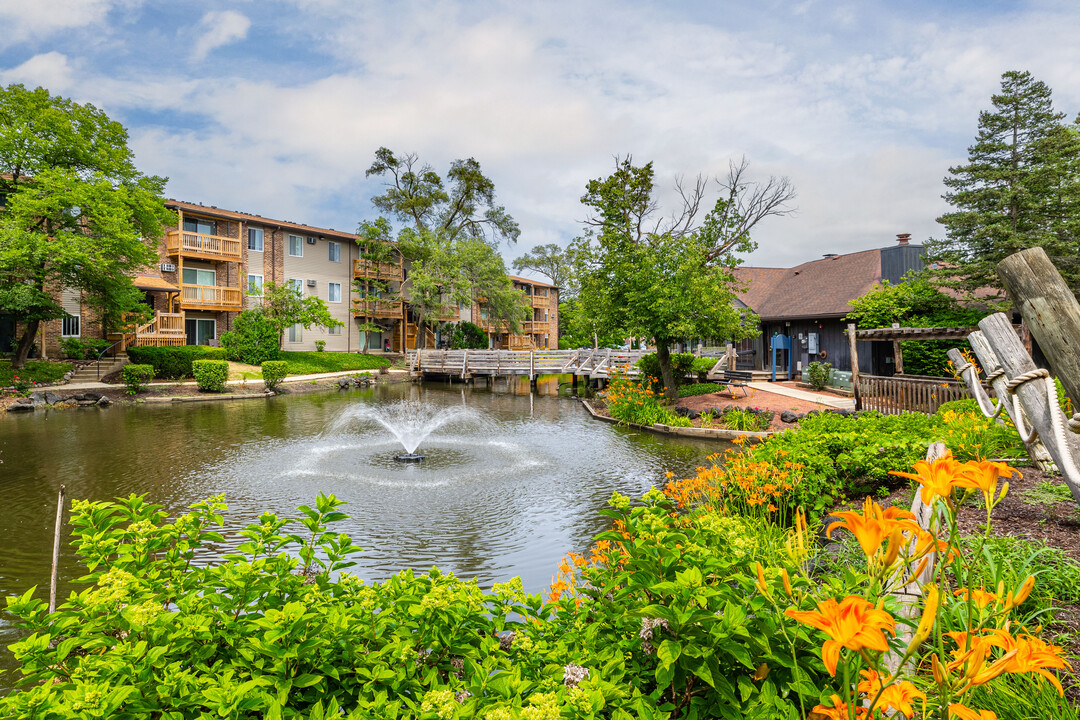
x: 198, y: 225
x: 200, y: 331
x: 335, y: 251
x: 296, y: 246
x: 255, y: 239
x: 296, y: 333
x: 334, y: 330
x: 196, y: 276
x: 255, y: 284
x: 333, y: 292
x: 297, y: 285
x: 71, y: 326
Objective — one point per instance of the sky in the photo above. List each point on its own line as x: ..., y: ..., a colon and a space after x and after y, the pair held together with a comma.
x: 276, y: 107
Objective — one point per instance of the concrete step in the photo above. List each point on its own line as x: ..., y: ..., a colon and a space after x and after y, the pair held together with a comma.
x: 90, y: 372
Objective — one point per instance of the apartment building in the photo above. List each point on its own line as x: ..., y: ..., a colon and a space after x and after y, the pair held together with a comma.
x: 213, y: 264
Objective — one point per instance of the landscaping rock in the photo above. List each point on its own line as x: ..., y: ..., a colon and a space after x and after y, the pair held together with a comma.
x: 52, y: 398
x: 344, y: 383
x: 104, y: 401
x: 683, y: 411
x: 92, y: 396
x: 78, y: 396
x: 37, y: 399
x: 20, y: 407
x: 85, y: 403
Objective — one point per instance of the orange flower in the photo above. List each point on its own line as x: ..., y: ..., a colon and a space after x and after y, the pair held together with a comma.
x: 873, y: 525
x: 937, y: 477
x: 965, y: 713
x: 853, y: 623
x: 971, y: 654
x: 838, y: 711
x: 899, y: 696
x: 980, y: 597
x: 1032, y: 655
x: 984, y: 476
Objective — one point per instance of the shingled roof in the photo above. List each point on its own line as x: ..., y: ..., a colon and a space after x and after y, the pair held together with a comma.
x: 815, y: 289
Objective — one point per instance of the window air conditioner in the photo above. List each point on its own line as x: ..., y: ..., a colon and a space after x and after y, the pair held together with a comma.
x: 311, y: 241
x: 168, y: 267
x: 311, y: 283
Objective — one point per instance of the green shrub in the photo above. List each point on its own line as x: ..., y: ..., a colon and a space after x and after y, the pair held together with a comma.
x: 746, y: 419
x: 211, y: 375
x: 1011, y: 558
x: 137, y: 377
x: 701, y: 367
x: 80, y: 349
x: 253, y: 339
x: 320, y: 345
x: 273, y: 372
x: 34, y: 371
x: 175, y: 361
x: 469, y: 337
x: 970, y: 405
x: 817, y: 374
x: 699, y: 389
x: 681, y: 366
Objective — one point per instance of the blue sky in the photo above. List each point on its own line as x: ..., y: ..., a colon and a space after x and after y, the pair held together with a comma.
x: 277, y: 106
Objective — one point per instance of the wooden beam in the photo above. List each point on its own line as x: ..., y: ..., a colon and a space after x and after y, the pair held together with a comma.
x: 1050, y: 312
x: 898, y: 355
x: 854, y: 365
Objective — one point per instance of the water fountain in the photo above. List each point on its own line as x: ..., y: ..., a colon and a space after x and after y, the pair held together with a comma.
x: 411, y: 422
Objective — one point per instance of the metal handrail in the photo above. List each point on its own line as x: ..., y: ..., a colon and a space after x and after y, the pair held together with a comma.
x: 103, y: 352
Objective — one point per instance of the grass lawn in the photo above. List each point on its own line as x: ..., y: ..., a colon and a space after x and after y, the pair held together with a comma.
x: 41, y: 371
x: 309, y: 363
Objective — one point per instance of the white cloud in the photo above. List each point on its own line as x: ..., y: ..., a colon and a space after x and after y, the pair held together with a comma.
x: 219, y: 28
x: 49, y: 70
x: 24, y: 20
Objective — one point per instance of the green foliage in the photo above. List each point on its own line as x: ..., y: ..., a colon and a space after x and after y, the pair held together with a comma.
x: 320, y: 346
x: 746, y: 419
x: 210, y: 375
x: 1047, y: 493
x: 554, y: 263
x: 284, y: 305
x: 310, y: 363
x: 80, y: 349
x: 681, y: 366
x: 967, y: 405
x: 468, y: 337
x: 579, y: 329
x: 702, y: 366
x: 273, y: 372
x: 254, y: 338
x: 34, y: 371
x: 1013, y: 696
x: 76, y: 213
x: 1019, y: 189
x: 1011, y: 559
x: 137, y: 377
x: 817, y: 374
x: 668, y: 281
x: 699, y: 389
x: 631, y: 401
x: 174, y: 362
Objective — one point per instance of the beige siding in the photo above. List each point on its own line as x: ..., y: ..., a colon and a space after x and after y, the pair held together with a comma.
x: 316, y: 265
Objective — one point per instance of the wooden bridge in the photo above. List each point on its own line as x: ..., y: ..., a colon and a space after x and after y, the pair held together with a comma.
x: 470, y: 363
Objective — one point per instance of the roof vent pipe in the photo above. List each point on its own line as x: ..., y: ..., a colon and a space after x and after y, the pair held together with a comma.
x: 830, y: 255
x: 903, y: 238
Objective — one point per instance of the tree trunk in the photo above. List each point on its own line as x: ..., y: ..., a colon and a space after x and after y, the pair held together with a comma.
x: 420, y: 339
x: 25, y: 343
x: 663, y: 356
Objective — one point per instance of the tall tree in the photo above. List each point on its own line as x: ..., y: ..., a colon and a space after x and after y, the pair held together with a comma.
x: 284, y: 305
x: 452, y: 232
x: 552, y: 262
x: 1020, y: 188
x: 74, y: 211
x: 670, y: 278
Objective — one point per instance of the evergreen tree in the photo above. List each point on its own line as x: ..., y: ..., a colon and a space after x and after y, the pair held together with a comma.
x: 1020, y: 188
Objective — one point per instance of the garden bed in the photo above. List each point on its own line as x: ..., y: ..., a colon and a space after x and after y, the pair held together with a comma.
x: 759, y: 399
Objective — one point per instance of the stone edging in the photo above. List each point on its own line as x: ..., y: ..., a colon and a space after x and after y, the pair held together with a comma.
x: 690, y: 432
x: 198, y: 398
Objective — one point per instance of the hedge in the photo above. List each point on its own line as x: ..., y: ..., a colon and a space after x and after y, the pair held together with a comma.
x: 273, y: 372
x: 211, y: 374
x: 175, y: 361
x: 137, y: 377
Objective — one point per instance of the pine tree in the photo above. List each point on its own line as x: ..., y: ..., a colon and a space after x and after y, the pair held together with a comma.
x: 1019, y: 189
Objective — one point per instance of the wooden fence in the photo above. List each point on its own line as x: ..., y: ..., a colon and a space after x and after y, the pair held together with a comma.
x: 909, y: 393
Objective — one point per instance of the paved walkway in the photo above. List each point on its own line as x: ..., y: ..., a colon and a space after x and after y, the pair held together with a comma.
x: 256, y: 381
x: 807, y: 395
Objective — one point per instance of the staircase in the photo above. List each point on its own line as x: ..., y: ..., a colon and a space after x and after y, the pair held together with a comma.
x: 89, y: 373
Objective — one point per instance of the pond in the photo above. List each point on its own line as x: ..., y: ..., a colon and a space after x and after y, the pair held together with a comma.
x: 510, y: 484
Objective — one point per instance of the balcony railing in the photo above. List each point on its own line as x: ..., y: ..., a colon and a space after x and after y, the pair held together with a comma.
x: 540, y: 301
x: 211, y: 297
x: 198, y: 245
x: 377, y: 308
x: 368, y: 269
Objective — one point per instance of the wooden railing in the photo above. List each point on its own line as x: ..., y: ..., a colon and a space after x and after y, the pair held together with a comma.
x: 532, y: 362
x: 195, y: 244
x: 451, y: 316
x: 211, y: 296
x: 540, y: 301
x: 378, y: 308
x: 368, y: 268
x: 909, y: 393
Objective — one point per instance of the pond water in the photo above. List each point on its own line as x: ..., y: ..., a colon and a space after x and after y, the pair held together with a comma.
x: 510, y: 484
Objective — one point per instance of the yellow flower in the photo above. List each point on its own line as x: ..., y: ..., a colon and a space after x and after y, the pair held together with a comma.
x: 853, y: 623
x: 980, y: 597
x: 899, y: 695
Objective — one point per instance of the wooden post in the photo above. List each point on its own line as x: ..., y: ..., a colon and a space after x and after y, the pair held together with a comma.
x: 1015, y: 361
x: 56, y: 550
x: 1050, y: 312
x: 729, y: 352
x: 854, y: 366
x: 898, y: 354
x: 1036, y: 450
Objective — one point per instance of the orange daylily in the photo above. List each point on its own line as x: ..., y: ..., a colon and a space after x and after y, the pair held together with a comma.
x: 937, y: 477
x: 873, y: 525
x: 971, y: 654
x: 962, y: 712
x: 899, y: 696
x: 853, y: 623
x: 984, y: 476
x: 838, y: 711
x: 1032, y: 655
x: 980, y: 597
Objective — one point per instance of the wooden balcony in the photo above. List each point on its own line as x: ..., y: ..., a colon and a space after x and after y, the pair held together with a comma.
x: 451, y: 315
x: 377, y: 308
x: 203, y: 247
x: 367, y: 269
x: 211, y: 297
x: 531, y: 327
x: 540, y: 301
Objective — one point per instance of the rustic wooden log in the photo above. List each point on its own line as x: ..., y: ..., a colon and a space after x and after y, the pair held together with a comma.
x: 1050, y: 312
x: 898, y: 355
x: 1035, y: 449
x: 56, y: 550
x: 854, y: 366
x: 1015, y: 361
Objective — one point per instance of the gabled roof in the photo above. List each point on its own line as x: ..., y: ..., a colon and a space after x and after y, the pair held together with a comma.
x: 815, y: 289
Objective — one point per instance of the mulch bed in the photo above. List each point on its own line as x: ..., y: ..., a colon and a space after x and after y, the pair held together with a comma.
x: 756, y: 399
